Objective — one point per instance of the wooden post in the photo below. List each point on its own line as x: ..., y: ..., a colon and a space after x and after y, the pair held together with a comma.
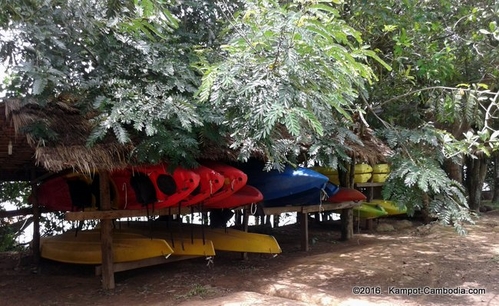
x: 245, y: 219
x: 244, y: 255
x: 237, y: 218
x: 347, y: 213
x: 346, y: 224
x: 106, y: 231
x: 304, y: 230
x: 36, y: 221
x: 369, y: 224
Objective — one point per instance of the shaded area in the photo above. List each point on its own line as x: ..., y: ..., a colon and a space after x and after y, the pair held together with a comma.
x: 415, y: 256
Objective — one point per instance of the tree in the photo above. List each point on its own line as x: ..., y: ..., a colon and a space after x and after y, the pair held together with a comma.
x: 120, y: 61
x: 275, y: 78
x: 443, y: 63
x: 15, y: 193
x: 289, y: 75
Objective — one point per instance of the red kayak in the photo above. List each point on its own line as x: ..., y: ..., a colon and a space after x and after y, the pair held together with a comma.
x: 234, y: 179
x: 65, y: 192
x: 244, y: 196
x: 152, y: 184
x: 210, y: 182
x: 171, y: 188
x: 123, y: 194
x: 346, y: 195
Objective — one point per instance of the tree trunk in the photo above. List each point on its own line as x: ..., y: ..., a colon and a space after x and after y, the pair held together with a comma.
x: 425, y: 210
x: 454, y: 170
x: 495, y: 197
x: 476, y: 170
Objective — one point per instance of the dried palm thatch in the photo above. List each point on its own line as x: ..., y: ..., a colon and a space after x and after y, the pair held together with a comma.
x: 58, y: 134
x: 369, y: 148
x: 64, y: 133
x: 372, y: 151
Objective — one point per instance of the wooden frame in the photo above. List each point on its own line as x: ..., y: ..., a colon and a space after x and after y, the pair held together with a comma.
x: 108, y: 267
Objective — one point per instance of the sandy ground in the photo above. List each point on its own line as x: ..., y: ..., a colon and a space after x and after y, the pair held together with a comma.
x: 397, y: 265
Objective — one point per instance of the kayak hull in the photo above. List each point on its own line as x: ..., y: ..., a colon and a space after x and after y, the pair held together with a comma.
x: 366, y: 211
x: 85, y: 247
x: 312, y: 196
x: 274, y: 184
x: 66, y: 193
x: 346, y: 195
x: 224, y: 239
x: 210, y: 182
x: 234, y: 180
x: 390, y: 207
x: 244, y: 196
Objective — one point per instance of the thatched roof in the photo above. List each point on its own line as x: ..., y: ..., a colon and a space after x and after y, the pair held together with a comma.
x: 67, y: 131
x: 372, y: 151
x: 19, y: 165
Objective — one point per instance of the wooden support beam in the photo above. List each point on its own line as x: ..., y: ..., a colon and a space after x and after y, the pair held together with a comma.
x: 17, y: 212
x: 303, y: 217
x: 36, y: 222
x: 106, y: 234
x: 310, y: 208
x: 118, y: 214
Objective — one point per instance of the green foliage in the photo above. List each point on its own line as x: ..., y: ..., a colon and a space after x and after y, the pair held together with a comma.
x: 276, y: 77
x: 289, y: 73
x: 122, y: 59
x: 433, y: 45
x: 7, y: 238
x: 15, y: 193
x: 417, y: 175
x: 411, y: 181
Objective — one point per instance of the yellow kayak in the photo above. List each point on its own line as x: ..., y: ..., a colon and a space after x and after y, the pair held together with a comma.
x: 380, y: 177
x: 182, y: 246
x: 239, y: 241
x: 231, y: 240
x: 192, y: 247
x: 325, y: 170
x: 333, y: 178
x: 359, y: 169
x: 362, y: 177
x: 363, y: 168
x: 390, y: 207
x: 381, y: 168
x: 367, y: 211
x: 85, y: 247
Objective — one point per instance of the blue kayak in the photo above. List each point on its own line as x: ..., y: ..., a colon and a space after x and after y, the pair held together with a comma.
x: 274, y: 184
x: 312, y: 196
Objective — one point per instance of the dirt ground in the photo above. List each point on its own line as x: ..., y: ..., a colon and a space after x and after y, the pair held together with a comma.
x: 379, y: 264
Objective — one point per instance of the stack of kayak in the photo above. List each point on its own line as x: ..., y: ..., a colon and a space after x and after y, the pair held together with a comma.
x: 141, y: 240
x: 378, y: 208
x: 380, y: 173
x: 381, y: 208
x: 215, y: 185
x: 295, y: 186
x: 363, y: 173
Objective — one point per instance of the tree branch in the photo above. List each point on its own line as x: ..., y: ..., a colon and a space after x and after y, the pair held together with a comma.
x: 431, y: 88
